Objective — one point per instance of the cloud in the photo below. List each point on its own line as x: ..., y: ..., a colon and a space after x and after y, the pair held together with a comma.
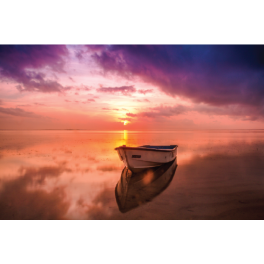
x: 164, y: 111
x: 131, y: 114
x: 246, y: 113
x: 213, y: 74
x: 24, y: 198
x: 88, y: 101
x: 140, y: 101
x: 115, y: 109
x: 18, y: 112
x: 125, y: 90
x: 25, y: 105
x: 145, y: 91
x: 21, y: 64
x: 82, y: 87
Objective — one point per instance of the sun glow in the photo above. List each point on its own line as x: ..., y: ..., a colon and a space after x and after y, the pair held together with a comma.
x: 125, y: 122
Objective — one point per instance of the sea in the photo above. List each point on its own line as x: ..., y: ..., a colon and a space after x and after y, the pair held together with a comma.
x: 77, y: 174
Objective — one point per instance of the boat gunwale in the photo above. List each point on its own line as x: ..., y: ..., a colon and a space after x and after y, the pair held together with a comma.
x: 146, y: 149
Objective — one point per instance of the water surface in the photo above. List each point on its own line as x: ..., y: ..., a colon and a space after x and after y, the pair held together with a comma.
x: 75, y: 174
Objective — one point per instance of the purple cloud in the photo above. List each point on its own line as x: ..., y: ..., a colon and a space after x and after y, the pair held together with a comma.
x: 20, y: 63
x: 212, y: 74
x: 125, y: 90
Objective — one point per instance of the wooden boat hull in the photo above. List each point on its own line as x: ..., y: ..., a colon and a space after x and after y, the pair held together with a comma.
x: 141, y: 158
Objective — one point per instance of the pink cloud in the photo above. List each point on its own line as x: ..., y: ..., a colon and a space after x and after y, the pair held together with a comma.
x: 125, y: 90
x: 145, y: 91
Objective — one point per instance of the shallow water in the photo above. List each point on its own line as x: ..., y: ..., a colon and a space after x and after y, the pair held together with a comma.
x: 74, y: 175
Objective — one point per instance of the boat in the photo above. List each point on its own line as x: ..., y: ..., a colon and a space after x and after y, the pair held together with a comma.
x: 135, y: 189
x: 143, y: 157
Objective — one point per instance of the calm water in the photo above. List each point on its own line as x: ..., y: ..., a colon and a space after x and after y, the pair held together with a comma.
x: 78, y: 175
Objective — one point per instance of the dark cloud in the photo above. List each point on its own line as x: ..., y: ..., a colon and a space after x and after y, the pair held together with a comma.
x: 145, y: 91
x: 212, y: 74
x: 23, y: 197
x: 125, y: 90
x: 18, y: 112
x: 20, y: 63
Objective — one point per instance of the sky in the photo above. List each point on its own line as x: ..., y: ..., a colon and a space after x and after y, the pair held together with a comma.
x: 132, y: 87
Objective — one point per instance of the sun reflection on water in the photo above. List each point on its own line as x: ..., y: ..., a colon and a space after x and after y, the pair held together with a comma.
x: 125, y: 134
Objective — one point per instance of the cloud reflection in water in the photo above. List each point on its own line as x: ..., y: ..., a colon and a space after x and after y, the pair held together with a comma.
x: 24, y: 198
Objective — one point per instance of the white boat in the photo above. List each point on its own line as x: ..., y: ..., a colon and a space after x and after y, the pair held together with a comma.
x: 143, y: 157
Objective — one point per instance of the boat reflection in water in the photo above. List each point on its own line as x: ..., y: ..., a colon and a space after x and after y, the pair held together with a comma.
x: 134, y: 189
